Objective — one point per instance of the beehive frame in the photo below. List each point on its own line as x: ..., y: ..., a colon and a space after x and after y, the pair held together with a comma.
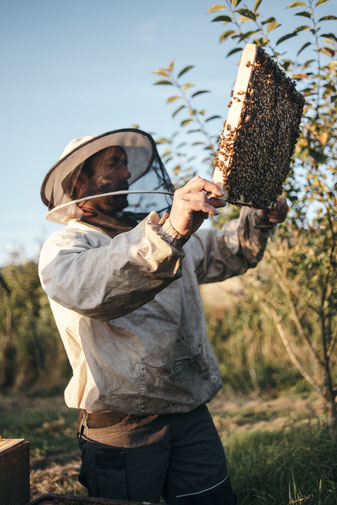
x: 259, y: 136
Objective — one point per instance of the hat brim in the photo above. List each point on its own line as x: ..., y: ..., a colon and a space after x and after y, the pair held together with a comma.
x: 131, y: 138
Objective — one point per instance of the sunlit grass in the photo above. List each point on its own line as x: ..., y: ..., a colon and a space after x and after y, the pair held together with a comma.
x: 297, y: 465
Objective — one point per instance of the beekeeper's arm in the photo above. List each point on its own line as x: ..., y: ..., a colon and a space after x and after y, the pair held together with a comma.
x: 110, y: 281
x: 237, y: 247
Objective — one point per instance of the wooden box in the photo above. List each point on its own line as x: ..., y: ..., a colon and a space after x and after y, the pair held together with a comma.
x: 14, y: 472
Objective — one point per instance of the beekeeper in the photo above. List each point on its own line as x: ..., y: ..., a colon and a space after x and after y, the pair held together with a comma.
x: 123, y: 287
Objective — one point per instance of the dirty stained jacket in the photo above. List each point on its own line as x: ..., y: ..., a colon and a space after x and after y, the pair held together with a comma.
x: 129, y: 311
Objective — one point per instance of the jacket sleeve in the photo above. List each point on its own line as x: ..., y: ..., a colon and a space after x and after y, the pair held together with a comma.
x: 109, y: 281
x: 238, y: 246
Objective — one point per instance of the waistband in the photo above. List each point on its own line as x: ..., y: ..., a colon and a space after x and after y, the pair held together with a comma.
x: 101, y: 419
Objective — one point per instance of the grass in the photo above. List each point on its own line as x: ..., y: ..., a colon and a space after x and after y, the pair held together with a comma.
x: 279, y: 450
x: 51, y: 430
x: 296, y: 466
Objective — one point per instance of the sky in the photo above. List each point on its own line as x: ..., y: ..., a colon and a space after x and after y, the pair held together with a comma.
x: 71, y: 68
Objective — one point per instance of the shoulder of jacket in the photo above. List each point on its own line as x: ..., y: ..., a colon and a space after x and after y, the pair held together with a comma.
x: 67, y: 237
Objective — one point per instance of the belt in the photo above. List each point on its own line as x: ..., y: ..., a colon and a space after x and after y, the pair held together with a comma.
x: 101, y: 419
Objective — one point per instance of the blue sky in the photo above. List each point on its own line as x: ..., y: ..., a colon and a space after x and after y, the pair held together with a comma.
x: 79, y: 67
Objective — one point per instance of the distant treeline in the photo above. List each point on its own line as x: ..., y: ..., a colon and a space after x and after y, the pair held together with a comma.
x: 31, y: 351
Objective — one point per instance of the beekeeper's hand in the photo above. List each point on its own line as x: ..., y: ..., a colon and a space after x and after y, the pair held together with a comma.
x: 193, y: 203
x: 277, y: 215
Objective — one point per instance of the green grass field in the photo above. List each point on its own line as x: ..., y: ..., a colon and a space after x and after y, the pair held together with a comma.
x: 279, y: 449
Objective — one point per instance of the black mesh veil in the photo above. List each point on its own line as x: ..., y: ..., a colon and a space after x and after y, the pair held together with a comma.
x: 148, y: 185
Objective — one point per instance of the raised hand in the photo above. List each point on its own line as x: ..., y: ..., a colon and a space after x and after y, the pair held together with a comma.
x: 277, y: 215
x: 193, y: 203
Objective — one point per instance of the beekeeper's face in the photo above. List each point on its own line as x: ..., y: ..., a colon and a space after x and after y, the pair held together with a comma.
x: 105, y: 172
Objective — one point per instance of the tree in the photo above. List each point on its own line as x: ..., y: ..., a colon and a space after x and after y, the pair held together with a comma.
x: 30, y: 348
x: 299, y: 296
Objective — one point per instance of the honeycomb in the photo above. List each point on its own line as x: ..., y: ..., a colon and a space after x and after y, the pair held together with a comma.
x: 255, y: 155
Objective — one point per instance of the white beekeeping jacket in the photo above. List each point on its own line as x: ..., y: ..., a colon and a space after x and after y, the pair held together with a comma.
x: 130, y: 315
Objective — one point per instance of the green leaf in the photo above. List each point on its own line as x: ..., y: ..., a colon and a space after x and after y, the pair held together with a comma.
x: 162, y: 140
x: 244, y: 19
x: 225, y: 35
x: 173, y: 99
x: 216, y: 7
x: 164, y: 81
x: 286, y: 37
x: 320, y: 2
x: 296, y: 4
x: 178, y: 110
x: 331, y: 36
x: 171, y: 65
x: 186, y: 121
x: 212, y: 117
x: 328, y: 18
x: 286, y: 64
x: 257, y: 5
x: 262, y: 41
x: 272, y: 25
x: 307, y: 64
x: 235, y: 3
x: 303, y: 47
x: 247, y: 13
x: 200, y: 92
x: 269, y: 20
x: 328, y: 51
x: 237, y: 49
x: 225, y: 19
x: 244, y: 36
x: 303, y: 14
x: 184, y: 70
x: 301, y: 28
x: 303, y: 154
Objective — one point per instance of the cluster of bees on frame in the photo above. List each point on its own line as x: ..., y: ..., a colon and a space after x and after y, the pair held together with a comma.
x: 255, y: 156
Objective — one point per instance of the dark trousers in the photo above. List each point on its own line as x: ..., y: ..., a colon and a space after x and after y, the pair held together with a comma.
x: 177, y: 456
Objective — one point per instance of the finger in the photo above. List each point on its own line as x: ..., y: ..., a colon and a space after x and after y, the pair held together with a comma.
x: 217, y: 202
x: 202, y: 196
x: 200, y: 184
x: 196, y: 203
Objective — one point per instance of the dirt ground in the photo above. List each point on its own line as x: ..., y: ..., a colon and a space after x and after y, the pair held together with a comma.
x: 252, y: 413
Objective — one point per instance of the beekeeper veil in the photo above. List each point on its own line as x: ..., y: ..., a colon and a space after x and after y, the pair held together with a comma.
x: 146, y: 186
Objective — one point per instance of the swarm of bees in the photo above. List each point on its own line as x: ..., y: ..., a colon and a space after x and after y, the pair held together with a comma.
x: 255, y: 153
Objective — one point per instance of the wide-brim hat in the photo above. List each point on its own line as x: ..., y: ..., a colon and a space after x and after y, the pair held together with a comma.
x: 142, y: 157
